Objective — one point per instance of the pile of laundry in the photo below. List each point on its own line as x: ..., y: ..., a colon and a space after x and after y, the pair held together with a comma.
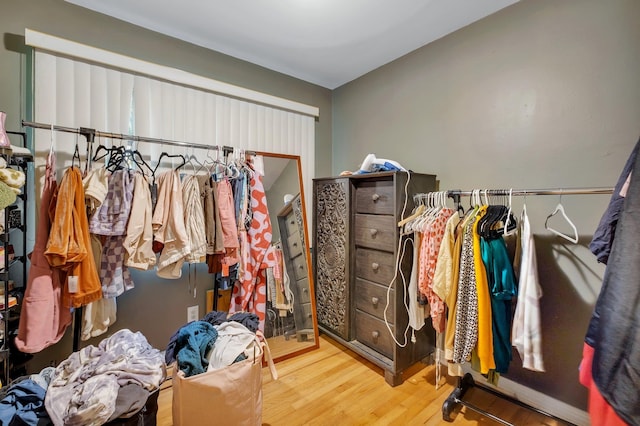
x: 93, y: 386
x: 216, y: 341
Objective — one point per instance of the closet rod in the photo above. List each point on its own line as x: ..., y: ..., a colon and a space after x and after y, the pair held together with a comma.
x: 91, y: 133
x: 519, y: 192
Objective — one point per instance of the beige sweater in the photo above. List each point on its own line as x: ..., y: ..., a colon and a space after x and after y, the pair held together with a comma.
x: 168, y: 226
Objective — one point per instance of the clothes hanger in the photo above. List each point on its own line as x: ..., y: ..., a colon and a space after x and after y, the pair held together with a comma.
x: 560, y: 209
x: 416, y: 213
x: 142, y: 165
x: 165, y: 154
x: 76, y: 155
x: 510, y: 225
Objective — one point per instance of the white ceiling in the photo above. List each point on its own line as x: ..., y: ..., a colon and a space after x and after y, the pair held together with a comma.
x: 325, y: 42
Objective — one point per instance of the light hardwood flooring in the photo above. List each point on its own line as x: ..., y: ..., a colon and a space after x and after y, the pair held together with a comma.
x: 334, y: 386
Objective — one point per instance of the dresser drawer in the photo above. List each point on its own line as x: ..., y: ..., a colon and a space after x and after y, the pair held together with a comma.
x: 304, y: 317
x: 294, y: 243
x: 373, y: 332
x: 372, y: 299
x: 299, y: 268
x: 373, y: 231
x: 375, y: 197
x: 374, y: 265
x: 291, y: 224
x: 302, y: 292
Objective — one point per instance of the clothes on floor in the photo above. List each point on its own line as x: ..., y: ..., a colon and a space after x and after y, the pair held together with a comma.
x: 84, y: 388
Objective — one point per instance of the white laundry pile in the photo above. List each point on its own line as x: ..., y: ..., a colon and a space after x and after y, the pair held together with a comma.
x: 85, y: 386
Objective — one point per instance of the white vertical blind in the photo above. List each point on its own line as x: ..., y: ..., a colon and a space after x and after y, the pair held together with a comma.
x: 73, y: 93
x: 76, y: 94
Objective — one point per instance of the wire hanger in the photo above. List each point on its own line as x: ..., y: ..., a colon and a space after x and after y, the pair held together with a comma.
x: 560, y: 209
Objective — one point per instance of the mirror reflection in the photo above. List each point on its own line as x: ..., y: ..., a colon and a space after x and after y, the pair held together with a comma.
x: 290, y: 326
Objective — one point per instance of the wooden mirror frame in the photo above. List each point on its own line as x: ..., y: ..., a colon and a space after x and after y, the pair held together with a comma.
x: 307, y: 348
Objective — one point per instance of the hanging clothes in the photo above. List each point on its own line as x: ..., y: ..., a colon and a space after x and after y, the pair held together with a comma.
x: 605, y: 233
x: 502, y: 289
x: 98, y: 316
x: 429, y: 247
x: 249, y: 293
x: 526, y: 333
x: 445, y: 284
x: 194, y: 220
x: 229, y: 228
x: 138, y: 243
x: 43, y: 319
x: 208, y: 212
x: 111, y: 220
x: 69, y: 244
x: 466, y: 324
x: 168, y: 226
x: 416, y: 309
x: 484, y: 345
x: 614, y: 328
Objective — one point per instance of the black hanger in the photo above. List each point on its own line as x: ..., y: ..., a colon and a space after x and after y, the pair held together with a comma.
x: 114, y: 150
x: 142, y: 165
x: 165, y: 154
x: 76, y: 156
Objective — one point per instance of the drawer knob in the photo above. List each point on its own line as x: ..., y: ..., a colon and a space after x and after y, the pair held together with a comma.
x: 295, y: 244
x: 374, y: 302
x: 375, y: 266
x: 373, y: 232
x: 375, y: 197
x: 375, y: 335
x: 300, y: 266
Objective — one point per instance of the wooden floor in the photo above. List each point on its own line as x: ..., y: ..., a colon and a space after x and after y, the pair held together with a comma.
x: 334, y: 386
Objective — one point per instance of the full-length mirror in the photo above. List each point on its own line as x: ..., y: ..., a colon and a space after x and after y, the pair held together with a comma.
x: 290, y: 326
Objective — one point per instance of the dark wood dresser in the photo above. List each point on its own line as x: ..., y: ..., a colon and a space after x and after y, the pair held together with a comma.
x: 356, y: 241
x: 295, y: 258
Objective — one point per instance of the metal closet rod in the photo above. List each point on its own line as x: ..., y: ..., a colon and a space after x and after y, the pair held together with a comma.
x: 90, y: 134
x: 519, y: 192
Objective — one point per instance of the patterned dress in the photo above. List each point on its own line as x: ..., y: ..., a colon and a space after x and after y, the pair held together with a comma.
x: 466, y: 330
x: 250, y: 292
x: 429, y: 248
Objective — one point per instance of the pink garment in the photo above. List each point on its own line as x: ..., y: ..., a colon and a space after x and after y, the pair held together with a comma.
x: 429, y: 249
x: 250, y: 291
x: 230, y: 235
x: 43, y: 319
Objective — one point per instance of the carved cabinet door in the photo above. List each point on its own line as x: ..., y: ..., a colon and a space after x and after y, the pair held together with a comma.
x: 331, y: 254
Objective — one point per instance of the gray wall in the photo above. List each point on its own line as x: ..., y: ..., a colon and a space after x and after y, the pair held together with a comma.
x: 156, y: 307
x: 543, y: 94
x: 288, y: 183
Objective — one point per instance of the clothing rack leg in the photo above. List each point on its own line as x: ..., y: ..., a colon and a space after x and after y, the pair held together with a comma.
x: 521, y: 404
x: 77, y: 327
x: 467, y: 382
x: 455, y: 397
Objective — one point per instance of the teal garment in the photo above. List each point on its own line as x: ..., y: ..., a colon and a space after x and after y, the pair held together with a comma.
x: 503, y: 288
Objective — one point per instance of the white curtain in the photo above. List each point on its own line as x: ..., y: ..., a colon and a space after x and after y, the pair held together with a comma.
x: 75, y: 94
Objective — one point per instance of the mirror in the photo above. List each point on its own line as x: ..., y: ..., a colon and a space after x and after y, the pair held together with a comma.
x: 291, y: 326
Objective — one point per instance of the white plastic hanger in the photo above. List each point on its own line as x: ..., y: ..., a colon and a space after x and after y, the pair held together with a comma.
x: 560, y: 209
x: 506, y: 224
